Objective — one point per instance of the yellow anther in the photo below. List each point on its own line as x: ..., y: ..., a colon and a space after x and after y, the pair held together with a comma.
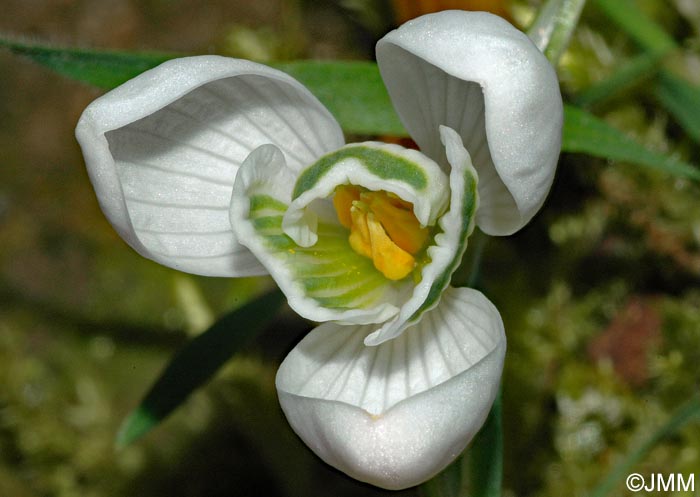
x: 398, y: 220
x: 344, y: 196
x: 359, y: 232
x: 390, y: 259
x: 382, y: 228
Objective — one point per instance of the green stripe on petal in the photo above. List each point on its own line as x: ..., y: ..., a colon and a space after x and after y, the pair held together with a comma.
x: 379, y: 162
x: 266, y: 202
x: 324, y: 281
x: 449, y: 245
x: 407, y: 173
x: 337, y: 277
x: 469, y: 206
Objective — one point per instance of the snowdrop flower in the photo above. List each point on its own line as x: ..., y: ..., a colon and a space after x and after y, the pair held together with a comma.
x: 225, y: 167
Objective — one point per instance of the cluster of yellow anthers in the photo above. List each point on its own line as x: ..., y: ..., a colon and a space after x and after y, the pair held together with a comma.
x: 382, y: 227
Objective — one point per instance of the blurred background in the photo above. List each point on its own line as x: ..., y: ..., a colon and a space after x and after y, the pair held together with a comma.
x: 599, y: 294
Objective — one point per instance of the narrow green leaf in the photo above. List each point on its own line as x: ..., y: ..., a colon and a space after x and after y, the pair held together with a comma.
x: 690, y: 411
x: 678, y: 96
x: 682, y: 100
x: 554, y: 26
x: 104, y: 69
x: 196, y: 363
x: 627, y: 76
x: 644, y: 31
x: 352, y: 91
x: 486, y: 456
x: 585, y: 133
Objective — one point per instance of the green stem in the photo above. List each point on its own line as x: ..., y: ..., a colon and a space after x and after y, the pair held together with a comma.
x: 554, y: 25
x: 486, y: 455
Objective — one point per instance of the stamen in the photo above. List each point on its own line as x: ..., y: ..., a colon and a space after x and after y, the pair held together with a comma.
x: 360, y: 240
x: 344, y: 196
x: 390, y: 259
x: 382, y: 228
x: 398, y: 220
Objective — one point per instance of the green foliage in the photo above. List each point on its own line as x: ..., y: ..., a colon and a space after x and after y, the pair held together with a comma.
x: 355, y: 95
x: 486, y: 456
x: 677, y: 95
x: 682, y: 100
x: 585, y: 133
x: 626, y: 77
x: 644, y: 31
x: 684, y: 414
x: 555, y: 24
x: 104, y: 69
x: 197, y: 362
x: 352, y: 91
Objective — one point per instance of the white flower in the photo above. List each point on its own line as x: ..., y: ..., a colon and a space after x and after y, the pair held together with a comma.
x: 225, y: 167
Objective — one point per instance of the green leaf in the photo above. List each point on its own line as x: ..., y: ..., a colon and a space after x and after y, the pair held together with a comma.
x: 630, y: 74
x: 690, y: 411
x: 678, y: 96
x: 352, y: 91
x: 644, y: 31
x: 555, y: 24
x: 585, y: 133
x: 104, y: 69
x: 486, y: 455
x: 196, y: 363
x: 682, y: 100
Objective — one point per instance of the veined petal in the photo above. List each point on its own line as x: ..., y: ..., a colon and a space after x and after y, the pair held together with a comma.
x: 327, y: 281
x: 445, y: 255
x: 163, y: 149
x: 477, y: 74
x: 396, y: 414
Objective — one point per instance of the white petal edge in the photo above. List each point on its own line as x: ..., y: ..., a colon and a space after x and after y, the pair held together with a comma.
x: 265, y: 172
x: 162, y: 151
x: 450, y: 245
x: 477, y: 74
x: 396, y: 414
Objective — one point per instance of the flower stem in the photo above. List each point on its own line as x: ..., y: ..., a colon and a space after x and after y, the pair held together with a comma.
x: 554, y: 25
x: 486, y: 456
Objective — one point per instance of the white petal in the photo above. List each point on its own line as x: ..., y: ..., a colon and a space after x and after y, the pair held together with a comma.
x: 445, y: 255
x: 477, y: 74
x: 396, y: 414
x: 163, y: 149
x: 327, y: 281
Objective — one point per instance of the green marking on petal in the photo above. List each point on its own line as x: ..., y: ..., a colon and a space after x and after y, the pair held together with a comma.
x: 467, y: 215
x: 268, y: 223
x: 266, y: 202
x: 380, y: 163
x: 279, y: 242
x: 330, y: 272
x: 353, y: 296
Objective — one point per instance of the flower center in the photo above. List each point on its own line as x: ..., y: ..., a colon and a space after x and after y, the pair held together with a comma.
x: 382, y: 228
